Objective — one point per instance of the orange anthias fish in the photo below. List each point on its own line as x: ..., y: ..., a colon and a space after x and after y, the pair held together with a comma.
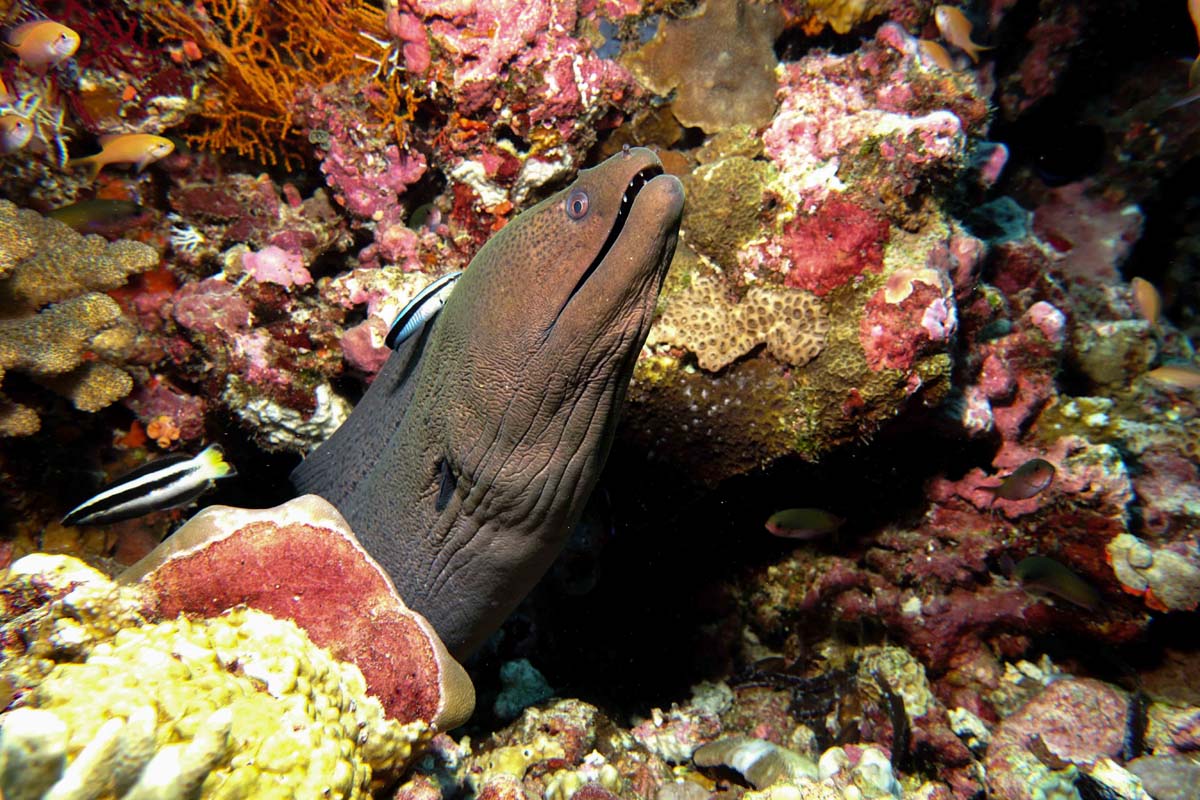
x: 15, y: 132
x: 43, y: 43
x: 5, y: 96
x: 141, y: 149
x: 1146, y: 299
x: 956, y: 29
x: 1179, y: 376
x: 936, y: 54
x: 1194, y: 12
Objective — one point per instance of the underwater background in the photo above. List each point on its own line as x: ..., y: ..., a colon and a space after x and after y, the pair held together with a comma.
x: 903, y: 499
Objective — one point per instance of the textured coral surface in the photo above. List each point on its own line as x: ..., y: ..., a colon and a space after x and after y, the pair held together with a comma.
x: 903, y: 276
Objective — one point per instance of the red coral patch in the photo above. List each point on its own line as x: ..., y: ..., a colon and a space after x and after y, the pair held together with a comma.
x: 834, y: 245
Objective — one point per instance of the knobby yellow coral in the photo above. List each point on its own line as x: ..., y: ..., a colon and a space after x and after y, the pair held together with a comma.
x: 791, y: 322
x: 266, y: 51
x: 74, y: 345
x: 241, y: 705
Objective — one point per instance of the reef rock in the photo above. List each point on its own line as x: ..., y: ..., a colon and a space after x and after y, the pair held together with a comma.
x: 824, y: 241
x: 262, y: 653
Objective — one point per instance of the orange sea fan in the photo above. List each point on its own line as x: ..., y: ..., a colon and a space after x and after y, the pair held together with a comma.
x: 265, y: 50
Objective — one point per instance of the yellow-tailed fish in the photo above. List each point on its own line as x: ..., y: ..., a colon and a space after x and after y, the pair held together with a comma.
x: 43, y: 43
x: 1047, y: 575
x: 1194, y: 13
x: 803, y: 523
x: 15, y: 132
x: 934, y: 53
x: 167, y: 482
x: 141, y: 149
x: 956, y: 29
x: 1146, y: 299
x: 1179, y: 376
x: 1026, y: 481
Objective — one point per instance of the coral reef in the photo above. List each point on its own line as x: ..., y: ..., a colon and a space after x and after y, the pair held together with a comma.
x: 263, y: 53
x: 836, y: 213
x: 58, y: 326
x: 202, y: 713
x: 735, y: 84
x: 294, y: 562
x: 872, y: 309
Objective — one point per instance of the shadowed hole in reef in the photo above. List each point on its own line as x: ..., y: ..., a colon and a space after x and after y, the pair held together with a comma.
x: 662, y: 614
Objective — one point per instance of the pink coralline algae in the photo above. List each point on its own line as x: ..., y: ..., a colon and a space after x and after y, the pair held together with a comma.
x: 235, y: 209
x: 363, y: 165
x: 276, y: 265
x: 211, y: 306
x: 157, y: 398
x: 895, y: 334
x: 836, y: 243
x: 523, y: 97
x: 1093, y: 235
x: 834, y: 107
x: 1013, y: 375
x: 1073, y: 721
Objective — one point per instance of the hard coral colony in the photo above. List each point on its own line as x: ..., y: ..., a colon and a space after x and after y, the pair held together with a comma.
x: 424, y: 271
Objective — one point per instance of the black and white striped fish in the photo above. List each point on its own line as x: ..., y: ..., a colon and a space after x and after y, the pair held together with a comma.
x: 420, y: 309
x: 167, y: 482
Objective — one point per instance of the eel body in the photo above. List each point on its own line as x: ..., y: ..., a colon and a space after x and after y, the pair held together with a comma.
x: 475, y: 449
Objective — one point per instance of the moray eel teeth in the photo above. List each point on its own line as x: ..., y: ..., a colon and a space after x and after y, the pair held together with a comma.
x: 635, y: 185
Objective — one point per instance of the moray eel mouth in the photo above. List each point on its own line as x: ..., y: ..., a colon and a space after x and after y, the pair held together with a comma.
x: 636, y: 184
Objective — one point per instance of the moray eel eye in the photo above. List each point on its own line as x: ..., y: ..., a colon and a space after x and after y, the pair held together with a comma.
x: 577, y: 204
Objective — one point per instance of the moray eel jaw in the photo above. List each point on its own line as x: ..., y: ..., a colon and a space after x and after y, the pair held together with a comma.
x: 476, y: 447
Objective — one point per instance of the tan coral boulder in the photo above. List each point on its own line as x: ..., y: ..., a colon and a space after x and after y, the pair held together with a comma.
x: 300, y: 561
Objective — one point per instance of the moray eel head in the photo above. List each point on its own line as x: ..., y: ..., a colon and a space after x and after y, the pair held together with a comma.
x: 470, y: 457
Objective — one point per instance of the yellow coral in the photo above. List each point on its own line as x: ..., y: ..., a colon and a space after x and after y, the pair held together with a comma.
x: 70, y: 346
x: 241, y: 705
x: 791, y: 322
x: 841, y: 15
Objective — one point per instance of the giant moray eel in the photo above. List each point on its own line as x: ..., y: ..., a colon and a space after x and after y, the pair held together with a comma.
x: 472, y: 454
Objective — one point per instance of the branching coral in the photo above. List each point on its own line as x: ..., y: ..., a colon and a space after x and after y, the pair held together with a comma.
x: 266, y: 51
x: 72, y: 344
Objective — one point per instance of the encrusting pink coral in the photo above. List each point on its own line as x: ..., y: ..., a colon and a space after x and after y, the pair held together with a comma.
x: 300, y: 561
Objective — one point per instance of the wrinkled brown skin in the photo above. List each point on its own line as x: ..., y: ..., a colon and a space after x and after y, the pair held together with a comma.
x: 517, y: 385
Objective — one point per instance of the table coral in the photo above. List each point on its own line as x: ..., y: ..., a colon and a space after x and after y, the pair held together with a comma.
x: 59, y: 328
x: 720, y: 63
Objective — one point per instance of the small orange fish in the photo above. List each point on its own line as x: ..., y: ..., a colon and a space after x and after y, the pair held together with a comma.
x: 1146, y: 299
x: 43, y: 43
x: 956, y: 29
x: 936, y: 54
x: 1194, y: 13
x: 5, y: 96
x: 141, y: 149
x: 15, y: 132
x: 1179, y: 376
